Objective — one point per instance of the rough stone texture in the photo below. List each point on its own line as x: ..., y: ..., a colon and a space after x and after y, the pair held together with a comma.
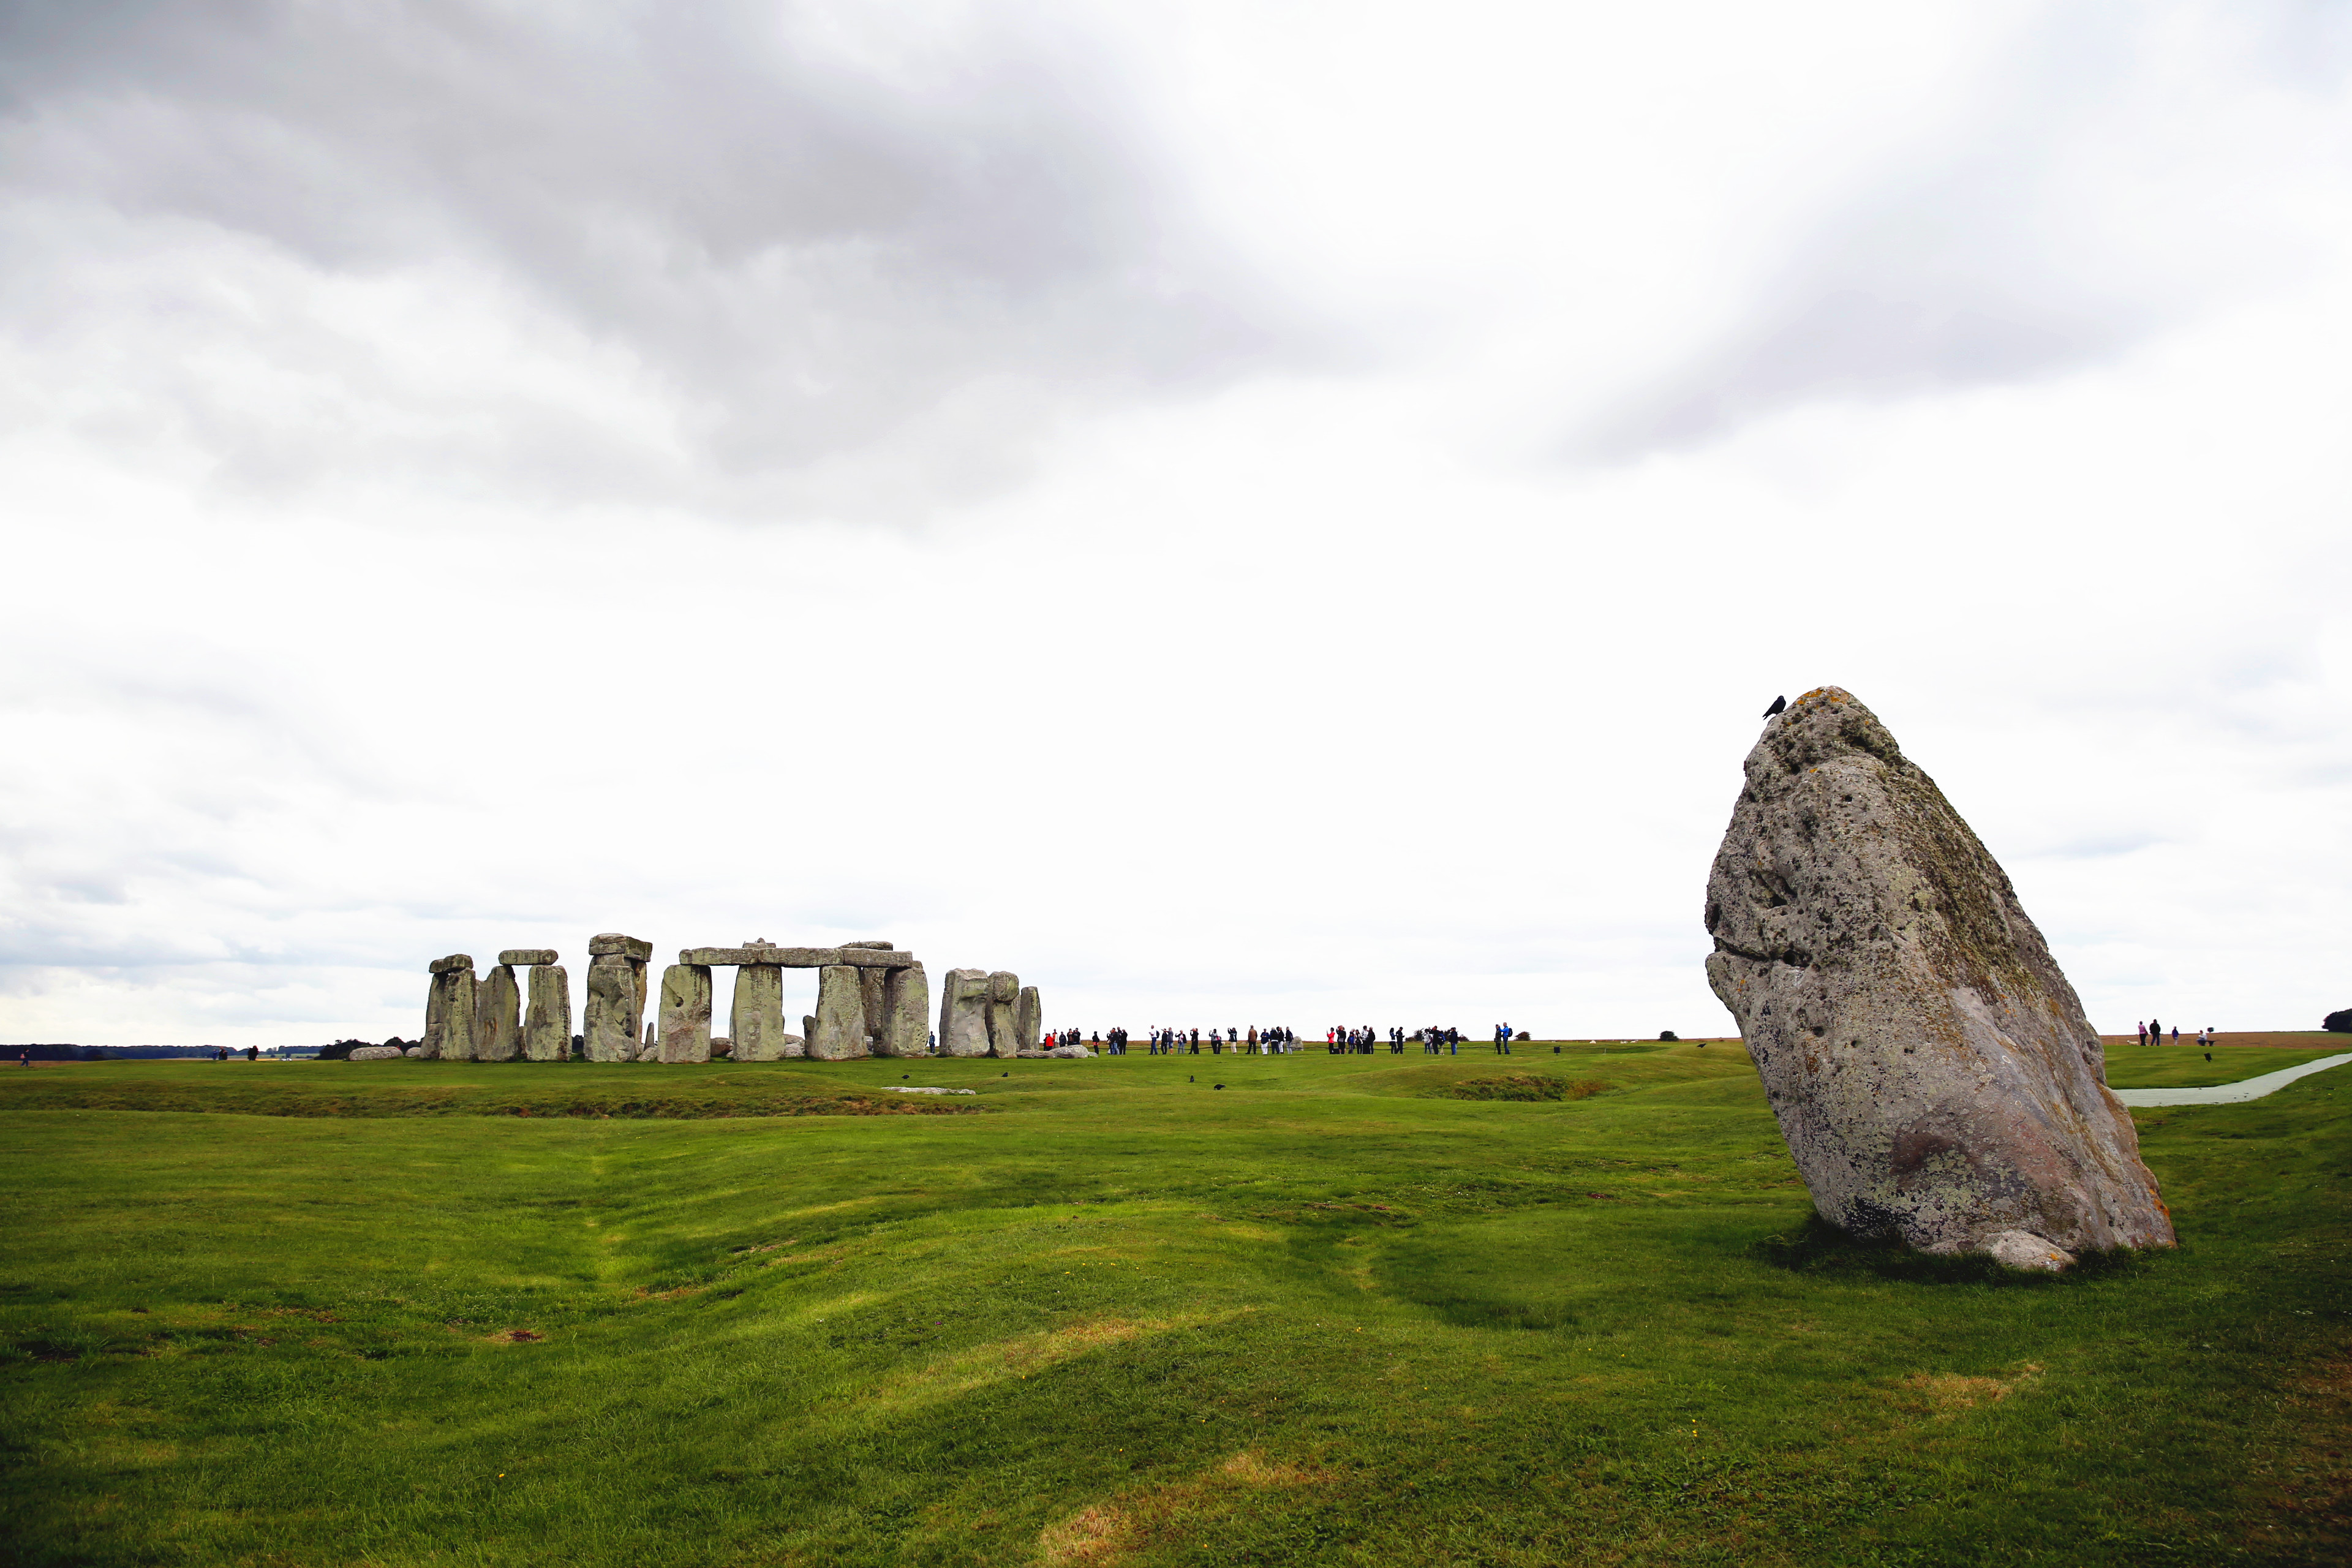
x: 547, y: 1024
x: 449, y: 1012
x: 526, y: 956
x: 613, y: 944
x: 906, y: 1012
x: 1931, y: 1068
x: 721, y: 1046
x: 1004, y: 995
x: 2024, y: 1250
x: 808, y: 1031
x: 498, y: 1017
x: 870, y: 985
x: 755, y: 1019
x: 797, y: 1046
x: 455, y: 961
x: 649, y: 1048
x: 1072, y: 1053
x: 839, y: 1032
x: 1028, y: 1018
x: 412, y: 1051
x: 963, y: 1012
x: 376, y: 1053
x: 798, y: 957
x: 685, y: 1032
x: 609, y: 1018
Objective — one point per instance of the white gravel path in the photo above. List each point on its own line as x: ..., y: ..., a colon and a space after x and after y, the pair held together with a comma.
x: 2230, y: 1093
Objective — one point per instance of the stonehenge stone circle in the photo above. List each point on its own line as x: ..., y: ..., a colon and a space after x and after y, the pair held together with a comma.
x: 498, y: 1017
x: 873, y: 999
x: 963, y: 1012
x: 547, y: 1025
x: 684, y: 1032
x: 1932, y: 1070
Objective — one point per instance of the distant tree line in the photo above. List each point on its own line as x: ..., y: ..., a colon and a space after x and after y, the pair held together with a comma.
x: 2337, y: 1023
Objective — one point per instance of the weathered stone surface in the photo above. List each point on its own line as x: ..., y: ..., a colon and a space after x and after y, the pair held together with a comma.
x: 870, y: 984
x: 755, y: 1019
x: 547, y: 1024
x: 963, y: 1012
x: 613, y: 944
x: 1931, y: 1068
x: 609, y: 1020
x: 906, y: 1012
x: 455, y: 961
x: 1028, y: 1017
x: 797, y: 1046
x: 1072, y: 1053
x: 838, y: 1033
x: 376, y: 1053
x: 1004, y: 995
x: 449, y: 1014
x: 685, y: 1021
x: 649, y: 1048
x: 412, y: 1051
x: 808, y: 1031
x: 526, y: 956
x: 721, y: 1046
x: 798, y: 957
x: 498, y: 1017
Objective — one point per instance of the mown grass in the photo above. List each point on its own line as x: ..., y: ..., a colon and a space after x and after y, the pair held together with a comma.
x: 1326, y: 1314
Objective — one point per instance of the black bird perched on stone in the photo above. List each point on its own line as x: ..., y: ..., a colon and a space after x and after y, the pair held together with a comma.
x: 1779, y: 705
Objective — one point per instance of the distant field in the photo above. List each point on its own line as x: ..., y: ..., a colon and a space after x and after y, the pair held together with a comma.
x: 1352, y: 1310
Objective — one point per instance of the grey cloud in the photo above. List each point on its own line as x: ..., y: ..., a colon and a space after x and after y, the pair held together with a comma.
x: 816, y: 242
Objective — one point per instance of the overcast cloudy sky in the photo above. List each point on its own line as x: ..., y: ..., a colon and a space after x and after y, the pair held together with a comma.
x: 1243, y: 513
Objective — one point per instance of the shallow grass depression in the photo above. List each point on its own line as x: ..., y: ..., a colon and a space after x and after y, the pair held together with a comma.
x: 1550, y: 1309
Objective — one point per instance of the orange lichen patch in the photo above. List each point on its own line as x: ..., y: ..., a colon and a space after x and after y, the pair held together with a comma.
x: 1945, y: 1394
x: 1025, y: 1355
x: 1108, y: 1531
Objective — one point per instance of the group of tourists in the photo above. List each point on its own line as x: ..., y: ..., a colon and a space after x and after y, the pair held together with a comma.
x: 2152, y: 1034
x: 1166, y: 1042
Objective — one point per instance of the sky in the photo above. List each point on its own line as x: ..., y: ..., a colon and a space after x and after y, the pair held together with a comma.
x: 1242, y: 514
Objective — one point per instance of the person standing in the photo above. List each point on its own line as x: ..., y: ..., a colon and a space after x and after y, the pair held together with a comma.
x: 2143, y: 1031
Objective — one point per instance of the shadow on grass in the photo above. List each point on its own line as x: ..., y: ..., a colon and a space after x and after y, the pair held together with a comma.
x: 1819, y: 1249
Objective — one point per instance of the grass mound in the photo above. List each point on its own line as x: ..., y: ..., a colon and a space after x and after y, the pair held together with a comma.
x: 1522, y: 1086
x: 1336, y: 1319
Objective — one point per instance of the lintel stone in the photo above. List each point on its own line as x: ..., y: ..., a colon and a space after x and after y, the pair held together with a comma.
x: 528, y: 955
x: 455, y: 961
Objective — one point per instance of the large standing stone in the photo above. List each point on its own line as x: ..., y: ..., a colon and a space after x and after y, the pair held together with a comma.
x: 684, y: 1029
x: 755, y: 1020
x: 1003, y: 997
x: 615, y: 1009
x: 963, y: 1012
x: 1932, y: 1070
x: 838, y: 1033
x: 906, y: 1014
x: 449, y: 1010
x: 1028, y: 1017
x: 498, y: 1017
x: 547, y: 1025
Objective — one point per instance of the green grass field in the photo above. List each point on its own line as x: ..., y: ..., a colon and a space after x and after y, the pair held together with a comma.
x: 1103, y: 1312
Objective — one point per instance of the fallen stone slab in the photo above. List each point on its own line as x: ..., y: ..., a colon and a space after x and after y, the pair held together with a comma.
x: 1930, y: 1067
x: 906, y: 1088
x: 376, y: 1053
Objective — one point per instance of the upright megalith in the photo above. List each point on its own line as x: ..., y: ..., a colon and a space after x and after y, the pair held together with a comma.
x: 497, y: 1015
x: 615, y: 1009
x: 871, y: 985
x: 1004, y: 1019
x: 547, y: 1020
x: 839, y: 1031
x: 1932, y: 1070
x: 449, y: 1010
x: 963, y: 1012
x: 906, y: 1012
x: 684, y: 1032
x: 1028, y: 1017
x: 755, y: 1019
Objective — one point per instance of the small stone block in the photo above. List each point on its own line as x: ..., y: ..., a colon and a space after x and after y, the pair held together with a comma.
x: 455, y: 961
x: 613, y: 942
